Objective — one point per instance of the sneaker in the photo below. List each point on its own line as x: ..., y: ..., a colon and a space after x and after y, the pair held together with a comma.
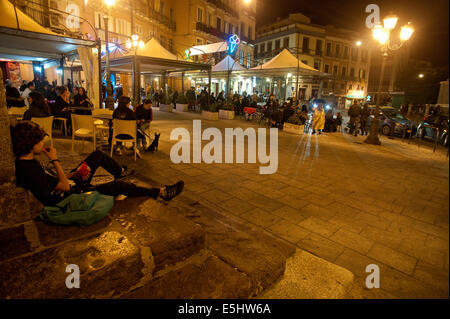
x: 125, y: 172
x: 173, y: 190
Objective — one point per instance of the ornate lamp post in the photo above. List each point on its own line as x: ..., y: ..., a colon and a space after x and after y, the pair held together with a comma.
x: 109, y: 101
x: 383, y: 36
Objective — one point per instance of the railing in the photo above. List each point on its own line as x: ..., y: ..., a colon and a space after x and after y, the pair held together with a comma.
x: 152, y: 14
x: 219, y: 4
x: 199, y: 26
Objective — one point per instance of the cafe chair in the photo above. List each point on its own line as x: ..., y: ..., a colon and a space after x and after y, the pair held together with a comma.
x: 128, y: 127
x: 100, y: 124
x: 46, y: 123
x: 83, y: 126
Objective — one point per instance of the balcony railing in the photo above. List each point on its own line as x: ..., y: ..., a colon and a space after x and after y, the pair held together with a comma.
x: 155, y: 15
x: 199, y: 26
x: 219, y: 4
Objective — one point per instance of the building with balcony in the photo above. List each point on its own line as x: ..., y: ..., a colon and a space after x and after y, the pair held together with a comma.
x: 326, y: 48
x: 201, y: 22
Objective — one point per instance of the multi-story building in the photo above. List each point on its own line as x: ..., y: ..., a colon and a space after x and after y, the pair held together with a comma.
x: 177, y: 25
x: 326, y: 48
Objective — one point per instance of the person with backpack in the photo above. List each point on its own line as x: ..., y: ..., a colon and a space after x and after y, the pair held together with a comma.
x: 53, y: 189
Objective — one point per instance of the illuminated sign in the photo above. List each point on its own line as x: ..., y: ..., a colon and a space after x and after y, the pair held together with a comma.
x: 353, y: 94
x: 233, y: 42
x: 187, y: 53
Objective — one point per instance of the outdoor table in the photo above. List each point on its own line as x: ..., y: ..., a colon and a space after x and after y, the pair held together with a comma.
x: 109, y: 118
x: 249, y: 110
x: 74, y: 108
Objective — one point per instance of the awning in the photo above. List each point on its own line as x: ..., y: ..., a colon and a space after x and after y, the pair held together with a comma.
x: 209, y: 48
x: 154, y: 49
x: 227, y: 64
x: 21, y: 38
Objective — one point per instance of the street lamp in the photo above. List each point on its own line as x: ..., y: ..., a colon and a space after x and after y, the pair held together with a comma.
x: 383, y: 34
x: 358, y: 43
x: 135, y: 43
x: 109, y: 101
x: 421, y: 75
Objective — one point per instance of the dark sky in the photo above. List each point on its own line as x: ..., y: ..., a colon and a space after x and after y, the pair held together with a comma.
x: 429, y: 17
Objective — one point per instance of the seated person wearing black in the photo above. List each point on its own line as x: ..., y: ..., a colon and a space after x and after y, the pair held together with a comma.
x: 144, y: 115
x: 13, y: 98
x: 27, y: 138
x: 38, y: 107
x: 62, y: 104
x: 82, y: 100
x: 123, y: 112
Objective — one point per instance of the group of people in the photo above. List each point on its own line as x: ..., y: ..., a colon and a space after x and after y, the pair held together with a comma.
x: 358, y: 118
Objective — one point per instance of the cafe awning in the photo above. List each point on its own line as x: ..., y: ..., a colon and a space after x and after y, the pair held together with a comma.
x: 22, y: 38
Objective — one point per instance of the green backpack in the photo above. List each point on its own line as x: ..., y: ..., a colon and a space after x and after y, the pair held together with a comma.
x: 80, y: 209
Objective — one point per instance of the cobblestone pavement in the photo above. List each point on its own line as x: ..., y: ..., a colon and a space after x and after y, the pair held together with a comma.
x: 334, y: 196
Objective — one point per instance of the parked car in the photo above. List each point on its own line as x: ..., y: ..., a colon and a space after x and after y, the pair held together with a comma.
x: 425, y: 128
x: 390, y: 117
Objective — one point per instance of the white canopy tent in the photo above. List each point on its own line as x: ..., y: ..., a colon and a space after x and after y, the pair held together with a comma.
x: 227, y: 64
x: 209, y: 48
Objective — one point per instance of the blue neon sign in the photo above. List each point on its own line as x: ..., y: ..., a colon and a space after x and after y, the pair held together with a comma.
x: 233, y: 42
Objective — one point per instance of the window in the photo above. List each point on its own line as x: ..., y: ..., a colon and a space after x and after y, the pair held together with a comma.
x: 209, y: 19
x: 277, y: 44
x: 335, y: 69
x: 199, y: 15
x: 328, y: 49
x: 352, y: 72
x: 241, y: 57
x: 230, y: 28
x: 305, y: 62
x: 269, y: 46
x: 345, y: 52
x: 364, y: 55
x: 99, y: 22
x: 121, y: 26
x: 162, y: 8
x: 249, y: 60
x: 250, y: 32
x: 306, y: 44
x: 325, y: 85
x: 354, y: 54
x: 225, y: 25
x: 317, y: 64
x: 199, y: 41
x: 171, y: 15
x: 262, y: 48
x: 256, y: 50
x: 242, y: 29
x: 360, y: 73
x: 326, y: 68
x: 286, y: 43
x: 170, y: 42
x: 338, y: 50
x: 219, y: 24
x: 363, y: 74
x: 319, y: 47
x: 344, y: 71
x: 138, y: 29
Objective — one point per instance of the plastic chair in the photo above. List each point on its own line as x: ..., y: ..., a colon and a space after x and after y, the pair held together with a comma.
x: 128, y: 127
x: 83, y: 126
x: 99, y: 123
x: 63, y: 124
x: 45, y: 123
x: 17, y: 111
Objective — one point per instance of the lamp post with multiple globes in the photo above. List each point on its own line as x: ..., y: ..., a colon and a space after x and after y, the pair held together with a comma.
x: 382, y: 34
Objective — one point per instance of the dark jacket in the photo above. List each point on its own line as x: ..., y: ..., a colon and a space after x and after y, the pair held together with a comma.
x: 59, y: 105
x: 143, y: 114
x: 35, y: 112
x: 354, y: 111
x: 124, y: 113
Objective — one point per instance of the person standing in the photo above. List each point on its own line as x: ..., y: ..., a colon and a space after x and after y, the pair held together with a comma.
x: 190, y: 96
x: 355, y: 115
x: 144, y: 115
x: 318, y: 119
x: 363, y: 119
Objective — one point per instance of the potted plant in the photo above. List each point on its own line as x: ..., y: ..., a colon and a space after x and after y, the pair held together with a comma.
x: 210, y: 113
x: 294, y: 125
x: 182, y: 105
x: 226, y: 111
x: 166, y: 104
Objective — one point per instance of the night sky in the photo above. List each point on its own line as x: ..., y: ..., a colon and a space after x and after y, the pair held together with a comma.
x: 430, y: 19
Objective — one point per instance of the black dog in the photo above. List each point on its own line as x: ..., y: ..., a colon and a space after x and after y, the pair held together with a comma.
x: 154, y: 146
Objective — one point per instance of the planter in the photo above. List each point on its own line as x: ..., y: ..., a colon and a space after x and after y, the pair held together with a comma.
x: 165, y: 107
x: 293, y: 128
x: 226, y: 114
x: 210, y: 115
x: 182, y: 107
